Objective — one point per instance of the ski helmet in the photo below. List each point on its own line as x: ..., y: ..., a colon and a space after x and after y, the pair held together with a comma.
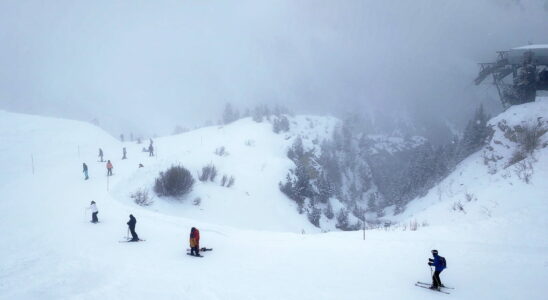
x: 435, y: 252
x: 92, y: 202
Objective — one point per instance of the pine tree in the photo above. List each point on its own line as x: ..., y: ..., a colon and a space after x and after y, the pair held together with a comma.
x: 230, y: 114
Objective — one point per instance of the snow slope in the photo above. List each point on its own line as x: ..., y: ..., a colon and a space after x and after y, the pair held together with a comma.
x: 49, y: 250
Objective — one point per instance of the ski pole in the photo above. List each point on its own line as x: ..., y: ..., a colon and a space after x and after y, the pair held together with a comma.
x: 127, y: 235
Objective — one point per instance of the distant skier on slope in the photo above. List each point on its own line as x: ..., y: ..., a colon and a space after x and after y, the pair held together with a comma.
x: 101, y: 154
x: 94, y: 212
x: 150, y: 150
x: 440, y: 264
x: 194, y: 242
x: 131, y: 223
x: 85, y: 170
x: 109, y: 168
x: 124, y: 153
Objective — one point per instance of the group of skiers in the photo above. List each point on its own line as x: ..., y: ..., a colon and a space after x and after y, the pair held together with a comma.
x: 194, y: 239
x: 109, y: 165
x: 438, y: 262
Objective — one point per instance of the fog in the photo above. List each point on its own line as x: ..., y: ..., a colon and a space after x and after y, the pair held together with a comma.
x: 145, y: 66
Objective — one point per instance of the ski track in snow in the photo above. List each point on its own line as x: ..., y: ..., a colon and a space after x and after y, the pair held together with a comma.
x: 50, y: 250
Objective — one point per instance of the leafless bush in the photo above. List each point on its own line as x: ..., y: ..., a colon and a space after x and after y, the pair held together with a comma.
x: 221, y: 151
x: 224, y: 179
x: 470, y: 197
x: 457, y: 206
x: 230, y: 182
x: 227, y: 181
x: 141, y: 197
x: 174, y: 182
x: 413, y: 225
x: 197, y: 201
x: 524, y: 170
x: 529, y: 136
x: 209, y: 173
x: 517, y: 156
x: 250, y: 143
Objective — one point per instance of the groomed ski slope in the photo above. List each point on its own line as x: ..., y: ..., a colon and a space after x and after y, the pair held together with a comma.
x: 49, y: 250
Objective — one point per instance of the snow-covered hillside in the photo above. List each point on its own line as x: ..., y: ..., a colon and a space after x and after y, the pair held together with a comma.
x: 501, y: 187
x: 252, y: 153
x: 50, y: 250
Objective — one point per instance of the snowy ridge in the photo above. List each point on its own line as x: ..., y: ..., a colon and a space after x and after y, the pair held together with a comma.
x: 488, y: 189
x: 51, y: 251
x: 255, y: 156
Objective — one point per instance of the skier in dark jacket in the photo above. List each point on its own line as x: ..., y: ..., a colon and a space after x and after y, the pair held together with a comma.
x: 150, y: 150
x: 194, y: 242
x: 101, y: 154
x: 85, y: 167
x: 124, y: 153
x: 132, y: 222
x: 439, y: 263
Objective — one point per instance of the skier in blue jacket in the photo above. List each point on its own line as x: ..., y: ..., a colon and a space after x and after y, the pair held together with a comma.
x: 439, y: 263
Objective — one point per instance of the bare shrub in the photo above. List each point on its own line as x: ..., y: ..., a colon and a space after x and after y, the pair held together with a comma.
x: 230, y: 181
x: 413, y: 225
x: 470, y: 197
x: 224, y: 180
x: 221, y: 151
x: 197, y: 201
x: 517, y: 156
x: 524, y: 170
x: 141, y: 197
x: 457, y: 206
x: 529, y: 136
x: 250, y: 143
x: 209, y: 173
x: 174, y: 182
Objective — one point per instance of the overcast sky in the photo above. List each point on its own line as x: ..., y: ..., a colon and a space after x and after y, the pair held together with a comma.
x: 149, y: 65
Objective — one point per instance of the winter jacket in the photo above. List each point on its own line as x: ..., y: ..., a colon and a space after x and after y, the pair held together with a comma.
x: 132, y: 222
x: 109, y: 165
x: 437, y: 263
x: 85, y: 167
x: 194, y: 238
x: 93, y: 208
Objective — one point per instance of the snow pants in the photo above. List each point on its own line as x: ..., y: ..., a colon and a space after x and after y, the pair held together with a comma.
x: 134, y: 236
x: 94, y: 218
x: 195, y: 251
x: 436, y: 281
x: 86, y: 174
x: 109, y: 172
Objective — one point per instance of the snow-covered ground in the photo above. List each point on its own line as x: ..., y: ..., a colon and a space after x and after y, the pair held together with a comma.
x: 49, y: 250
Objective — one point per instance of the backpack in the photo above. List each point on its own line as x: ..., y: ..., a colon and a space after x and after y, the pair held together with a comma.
x: 443, y: 262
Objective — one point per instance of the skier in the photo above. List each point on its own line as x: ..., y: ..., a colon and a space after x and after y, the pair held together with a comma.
x: 124, y: 152
x: 101, y: 154
x: 439, y: 263
x: 109, y: 168
x: 131, y: 223
x: 85, y: 171
x: 194, y: 242
x: 150, y: 150
x: 94, y: 212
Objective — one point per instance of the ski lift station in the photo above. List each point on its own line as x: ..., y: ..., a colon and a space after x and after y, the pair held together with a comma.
x: 518, y: 73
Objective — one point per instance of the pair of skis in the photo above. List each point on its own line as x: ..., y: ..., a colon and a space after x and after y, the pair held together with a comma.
x: 203, y: 249
x: 131, y: 241
x: 426, y: 285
